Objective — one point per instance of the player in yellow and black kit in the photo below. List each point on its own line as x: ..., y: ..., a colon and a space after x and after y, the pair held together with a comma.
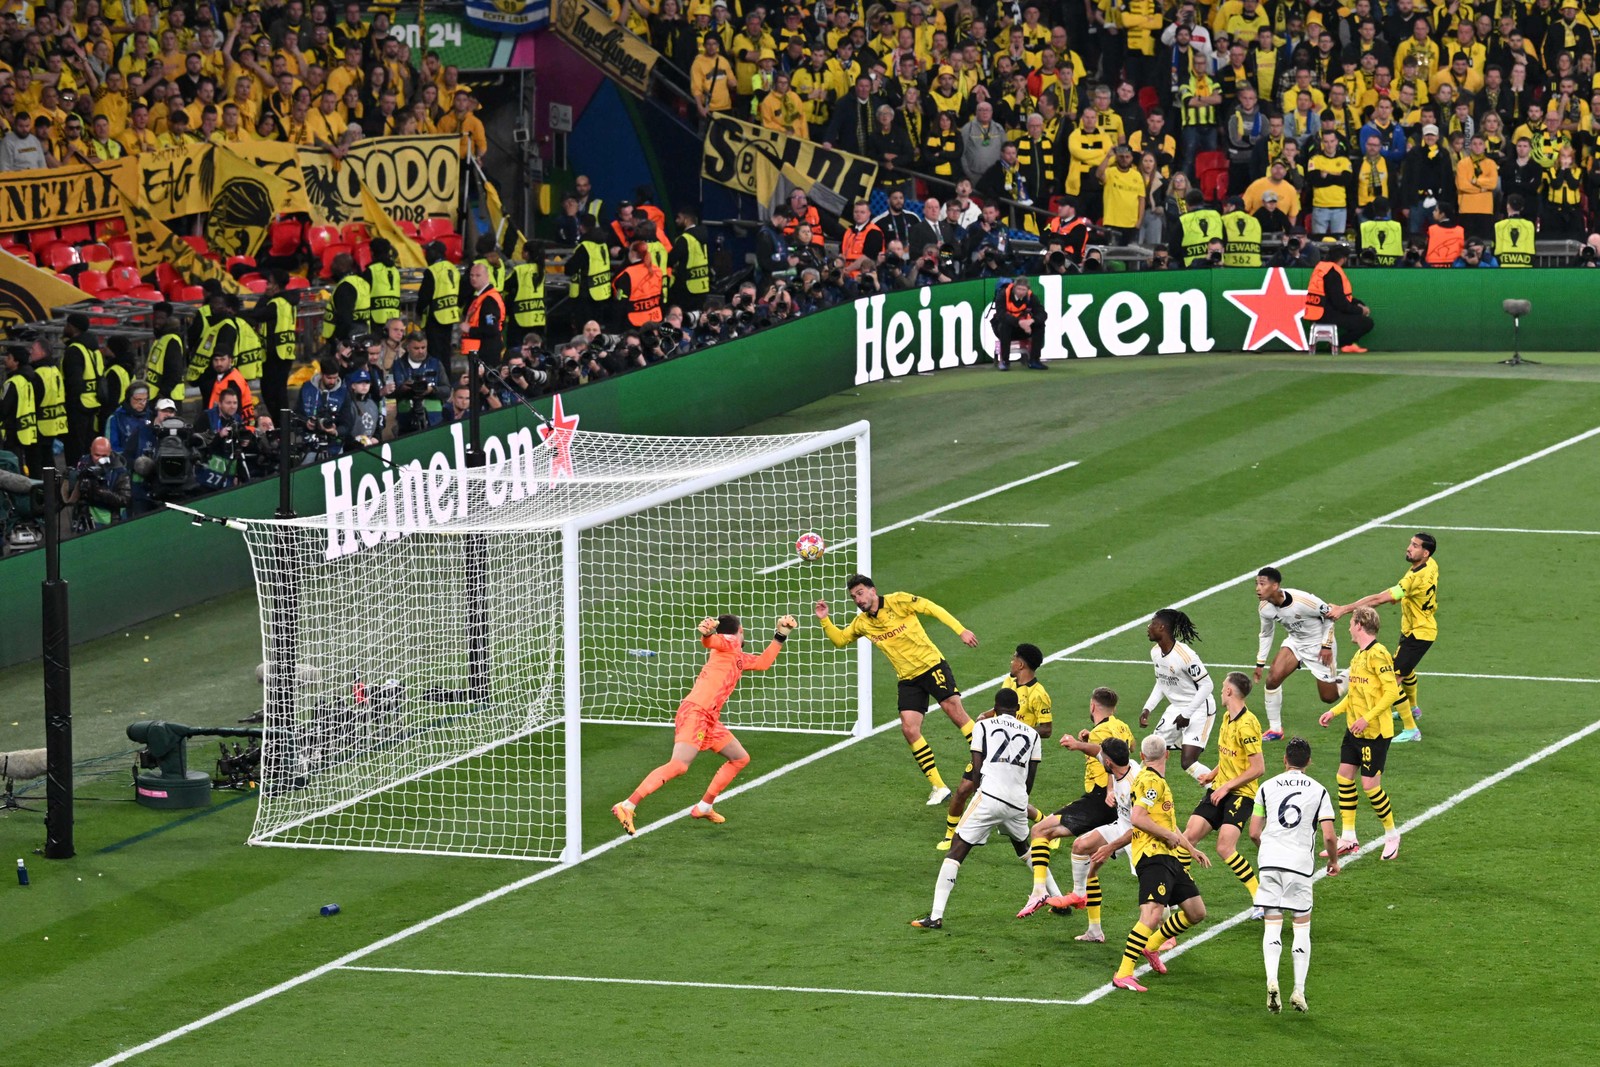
x: 1033, y: 708
x: 1417, y: 592
x: 892, y: 623
x: 1085, y: 818
x: 1368, y: 731
x: 1156, y: 845
x: 1231, y: 796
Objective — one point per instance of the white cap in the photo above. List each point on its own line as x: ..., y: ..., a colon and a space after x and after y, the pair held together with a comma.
x: 1430, y: 128
x: 166, y: 404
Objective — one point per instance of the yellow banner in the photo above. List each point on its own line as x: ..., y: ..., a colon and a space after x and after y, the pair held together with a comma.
x: 408, y: 253
x: 280, y: 161
x: 624, y: 57
x: 28, y: 294
x: 171, y: 183
x: 154, y: 243
x: 751, y: 158
x: 411, y: 178
x: 243, y: 200
x: 34, y: 199
x: 506, y: 236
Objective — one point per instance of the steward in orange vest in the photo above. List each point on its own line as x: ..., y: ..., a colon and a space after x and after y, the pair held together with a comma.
x: 1018, y: 311
x: 485, y: 321
x: 863, y: 240
x: 638, y: 287
x: 1330, y: 300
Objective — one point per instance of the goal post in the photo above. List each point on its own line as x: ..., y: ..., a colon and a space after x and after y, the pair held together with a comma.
x: 439, y: 707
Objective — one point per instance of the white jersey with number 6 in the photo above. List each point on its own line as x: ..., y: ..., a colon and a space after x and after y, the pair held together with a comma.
x: 1008, y: 746
x: 1293, y: 806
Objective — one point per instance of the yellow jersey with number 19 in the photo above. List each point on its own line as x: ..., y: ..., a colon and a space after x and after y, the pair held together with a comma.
x: 1151, y: 793
x: 1418, y: 593
x: 1095, y: 775
x: 1237, y: 740
x: 1373, y: 691
x: 896, y: 629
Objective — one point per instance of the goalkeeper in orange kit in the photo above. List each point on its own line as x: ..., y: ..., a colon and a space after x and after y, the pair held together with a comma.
x: 699, y: 722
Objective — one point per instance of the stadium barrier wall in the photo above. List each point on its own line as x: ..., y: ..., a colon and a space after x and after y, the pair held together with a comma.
x: 160, y: 563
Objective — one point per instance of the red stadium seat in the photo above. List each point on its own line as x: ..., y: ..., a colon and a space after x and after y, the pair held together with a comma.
x: 363, y: 255
x: 76, y: 233
x: 407, y: 227
x: 168, y: 280
x: 61, y: 256
x: 199, y: 244
x: 98, y: 257
x: 146, y: 292
x: 1149, y: 99
x: 112, y: 227
x: 190, y: 294
x: 122, y: 251
x: 65, y: 278
x: 39, y: 240
x: 328, y: 256
x: 354, y: 233
x: 239, y: 261
x: 125, y: 279
x: 21, y: 253
x: 284, y: 237
x: 297, y: 282
x: 432, y: 229
x: 318, y: 238
x: 452, y: 246
x: 254, y: 282
x: 93, y: 282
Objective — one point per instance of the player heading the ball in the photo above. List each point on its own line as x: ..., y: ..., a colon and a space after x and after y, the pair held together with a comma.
x: 698, y: 727
x: 893, y: 624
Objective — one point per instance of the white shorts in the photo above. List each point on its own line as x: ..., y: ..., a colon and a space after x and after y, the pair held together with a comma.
x: 1284, y: 891
x: 1201, y: 715
x: 1310, y: 657
x: 1109, y: 833
x: 985, y: 814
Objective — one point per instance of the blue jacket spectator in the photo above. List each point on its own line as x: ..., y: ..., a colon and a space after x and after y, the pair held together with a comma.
x: 129, y: 428
x: 431, y: 383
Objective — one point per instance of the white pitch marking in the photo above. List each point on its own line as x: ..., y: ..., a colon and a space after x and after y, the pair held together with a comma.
x: 1495, y: 529
x: 743, y: 986
x: 1426, y: 674
x: 963, y: 502
x: 979, y: 522
x: 1372, y: 846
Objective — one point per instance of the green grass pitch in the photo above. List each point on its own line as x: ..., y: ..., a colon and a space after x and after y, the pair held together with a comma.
x: 781, y: 937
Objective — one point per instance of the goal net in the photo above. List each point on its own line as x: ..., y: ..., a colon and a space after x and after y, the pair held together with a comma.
x: 434, y: 642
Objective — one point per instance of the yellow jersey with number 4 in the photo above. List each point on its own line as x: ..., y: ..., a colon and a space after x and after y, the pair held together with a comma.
x: 1418, y: 593
x: 1237, y: 740
x: 1151, y: 793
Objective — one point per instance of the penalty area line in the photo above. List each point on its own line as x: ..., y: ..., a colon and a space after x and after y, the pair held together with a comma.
x: 1426, y: 674
x: 1372, y: 846
x: 738, y: 986
x: 1491, y: 529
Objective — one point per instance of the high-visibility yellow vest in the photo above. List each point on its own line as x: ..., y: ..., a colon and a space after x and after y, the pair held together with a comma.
x: 1241, y: 240
x: 52, y: 402
x: 384, y: 295
x: 248, y: 353
x: 1199, y: 228
x: 167, y: 346
x: 27, y: 408
x: 123, y: 379
x: 281, y: 329
x: 1385, y: 239
x: 597, y: 280
x: 446, y: 293
x: 94, y: 365
x: 697, y: 265
x: 362, y: 308
x: 528, y: 311
x: 497, y: 273
x: 1513, y: 242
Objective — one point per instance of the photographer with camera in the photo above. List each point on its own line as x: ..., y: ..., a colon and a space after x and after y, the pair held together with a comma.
x: 99, y: 488
x: 318, y: 407
x: 988, y: 245
x: 1018, y: 310
x: 1294, y: 253
x: 420, y: 385
x: 360, y: 419
x: 1475, y: 255
x: 226, y: 433
x: 523, y: 376
x: 928, y: 270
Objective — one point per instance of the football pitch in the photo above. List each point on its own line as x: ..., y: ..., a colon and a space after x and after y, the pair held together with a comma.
x: 1058, y: 508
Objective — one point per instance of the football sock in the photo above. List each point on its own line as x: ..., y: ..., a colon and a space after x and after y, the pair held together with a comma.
x: 1093, y: 895
x: 925, y: 761
x: 1275, y: 709
x: 950, y: 824
x: 1132, y: 951
x: 1050, y: 887
x: 966, y: 729
x: 1272, y: 947
x: 1196, y: 769
x: 656, y: 779
x: 1407, y: 701
x: 1381, y: 808
x: 1176, y: 924
x: 1080, y: 873
x: 1186, y: 858
x: 724, y: 775
x: 1243, y: 871
x: 1347, y: 804
x: 1041, y: 862
x: 1301, y: 954
x: 941, y: 890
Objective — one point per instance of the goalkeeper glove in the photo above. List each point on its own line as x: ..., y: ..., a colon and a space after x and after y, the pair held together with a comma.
x: 786, y: 626
x: 707, y: 627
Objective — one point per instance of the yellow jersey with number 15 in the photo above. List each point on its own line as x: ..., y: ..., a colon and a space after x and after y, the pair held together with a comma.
x: 896, y: 629
x: 1418, y: 593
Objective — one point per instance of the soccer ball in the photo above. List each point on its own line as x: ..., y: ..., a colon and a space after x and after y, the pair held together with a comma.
x: 810, y: 547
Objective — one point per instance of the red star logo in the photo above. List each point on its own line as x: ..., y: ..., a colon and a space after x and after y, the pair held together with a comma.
x: 558, y: 434
x: 1274, y: 309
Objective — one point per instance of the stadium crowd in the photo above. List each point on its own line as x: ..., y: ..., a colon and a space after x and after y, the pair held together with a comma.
x: 1405, y: 128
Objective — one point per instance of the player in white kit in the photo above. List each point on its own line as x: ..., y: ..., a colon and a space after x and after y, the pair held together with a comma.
x: 1290, y: 808
x: 1005, y: 759
x: 1090, y: 851
x: 1183, y: 681
x: 1308, y: 642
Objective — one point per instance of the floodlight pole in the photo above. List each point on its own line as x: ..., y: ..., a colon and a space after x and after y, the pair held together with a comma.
x: 57, y: 682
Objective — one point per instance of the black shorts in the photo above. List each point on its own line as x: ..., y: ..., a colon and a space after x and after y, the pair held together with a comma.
x: 1088, y: 812
x: 932, y: 686
x: 1367, y: 753
x: 1409, y: 654
x: 1162, y: 880
x: 1236, y: 810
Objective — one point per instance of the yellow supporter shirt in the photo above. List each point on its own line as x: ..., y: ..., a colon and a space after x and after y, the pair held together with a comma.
x: 1150, y: 792
x: 1124, y: 191
x: 1238, y: 740
x: 896, y: 629
x: 1095, y: 775
x: 1373, y: 691
x: 1418, y: 593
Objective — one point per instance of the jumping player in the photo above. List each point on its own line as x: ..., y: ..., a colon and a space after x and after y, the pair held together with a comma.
x: 699, y: 722
x: 1308, y: 624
